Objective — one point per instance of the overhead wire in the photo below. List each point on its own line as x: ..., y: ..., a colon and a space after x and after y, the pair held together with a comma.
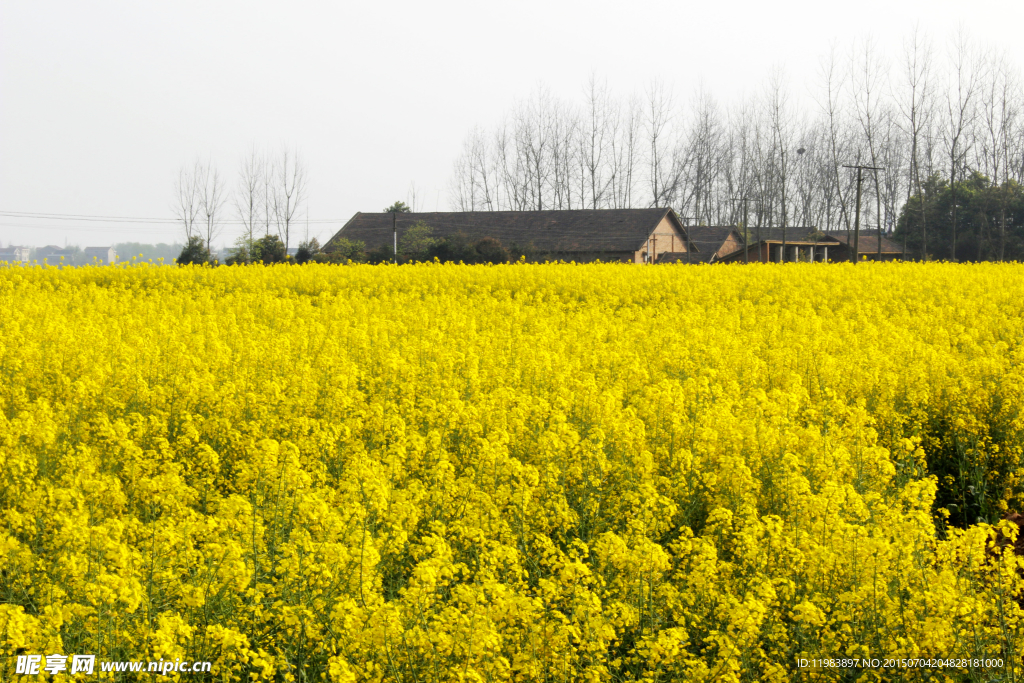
x: 137, y: 219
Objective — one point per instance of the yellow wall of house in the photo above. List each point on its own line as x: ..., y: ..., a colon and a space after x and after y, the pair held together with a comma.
x: 731, y: 244
x: 665, y: 238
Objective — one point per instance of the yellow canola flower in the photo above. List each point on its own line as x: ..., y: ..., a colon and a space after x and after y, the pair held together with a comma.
x: 513, y: 473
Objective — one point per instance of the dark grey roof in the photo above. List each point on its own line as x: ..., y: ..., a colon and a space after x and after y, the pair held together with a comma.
x: 794, y: 233
x: 680, y: 257
x: 602, y: 230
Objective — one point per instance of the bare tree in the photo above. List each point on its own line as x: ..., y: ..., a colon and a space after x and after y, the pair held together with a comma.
x: 461, y: 186
x: 473, y: 187
x: 187, y: 199
x: 868, y: 76
x: 915, y: 105
x: 781, y: 122
x: 837, y: 133
x: 625, y: 152
x: 249, y: 201
x: 534, y: 133
x: 289, y: 192
x: 960, y: 106
x: 1000, y: 103
x: 566, y: 176
x: 594, y: 143
x: 703, y: 157
x: 739, y: 171
x: 512, y: 176
x: 658, y: 113
x: 893, y: 158
x: 211, y: 201
x: 268, y: 194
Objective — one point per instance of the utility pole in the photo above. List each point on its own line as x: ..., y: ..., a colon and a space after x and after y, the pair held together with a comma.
x: 760, y: 211
x: 855, y: 253
x: 879, y: 257
x: 394, y: 231
x: 746, y: 230
x: 689, y: 242
x: 799, y: 154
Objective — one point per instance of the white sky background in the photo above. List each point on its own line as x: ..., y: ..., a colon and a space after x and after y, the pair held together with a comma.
x: 102, y: 102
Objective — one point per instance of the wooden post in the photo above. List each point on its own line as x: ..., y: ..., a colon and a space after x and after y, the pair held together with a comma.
x: 746, y: 232
x: 855, y: 252
x: 394, y: 230
x: 746, y: 229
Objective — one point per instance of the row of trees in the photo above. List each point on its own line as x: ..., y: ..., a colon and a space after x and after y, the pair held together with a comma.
x: 931, y: 114
x: 989, y: 220
x: 268, y: 197
x: 418, y: 243
x: 267, y: 249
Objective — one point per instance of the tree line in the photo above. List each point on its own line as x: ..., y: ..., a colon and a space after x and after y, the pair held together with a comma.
x: 932, y: 120
x: 418, y: 243
x: 268, y: 198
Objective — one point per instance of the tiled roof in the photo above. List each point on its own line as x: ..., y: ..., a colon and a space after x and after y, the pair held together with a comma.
x: 793, y: 233
x: 603, y: 230
x: 868, y: 244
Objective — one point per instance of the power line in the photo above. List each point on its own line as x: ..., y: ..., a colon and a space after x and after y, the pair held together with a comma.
x: 83, y: 217
x: 131, y: 219
x: 83, y: 228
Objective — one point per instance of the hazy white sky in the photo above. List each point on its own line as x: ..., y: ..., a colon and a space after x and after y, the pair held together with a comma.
x: 102, y: 102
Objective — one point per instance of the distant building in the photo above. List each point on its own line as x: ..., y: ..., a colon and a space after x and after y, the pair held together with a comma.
x: 14, y: 254
x: 105, y: 255
x: 629, y: 235
x: 52, y: 254
x: 804, y: 243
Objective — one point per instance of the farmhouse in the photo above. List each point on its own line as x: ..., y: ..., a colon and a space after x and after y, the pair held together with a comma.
x: 803, y: 243
x: 627, y: 235
x: 14, y: 255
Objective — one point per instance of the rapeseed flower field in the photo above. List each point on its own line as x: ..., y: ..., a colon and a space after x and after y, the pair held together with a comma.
x: 514, y: 473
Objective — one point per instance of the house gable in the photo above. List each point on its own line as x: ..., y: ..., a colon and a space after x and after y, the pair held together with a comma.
x: 668, y: 237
